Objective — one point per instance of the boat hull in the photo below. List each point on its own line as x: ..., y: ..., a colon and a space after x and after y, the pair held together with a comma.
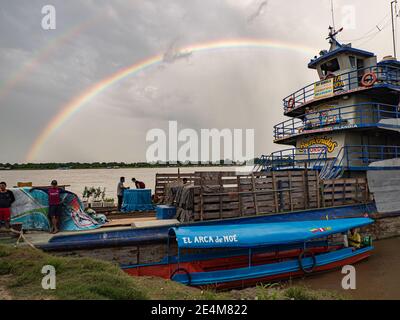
x: 150, y: 235
x: 234, y: 272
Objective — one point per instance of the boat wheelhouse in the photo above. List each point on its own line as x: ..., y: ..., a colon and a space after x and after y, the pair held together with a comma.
x: 346, y: 121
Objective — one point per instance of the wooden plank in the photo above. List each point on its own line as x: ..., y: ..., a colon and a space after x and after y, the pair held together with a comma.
x: 220, y: 197
x: 275, y: 194
x: 254, y: 193
x: 290, y: 191
x: 201, y: 200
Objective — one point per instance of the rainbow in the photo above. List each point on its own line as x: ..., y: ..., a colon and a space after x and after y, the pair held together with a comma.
x: 74, y: 105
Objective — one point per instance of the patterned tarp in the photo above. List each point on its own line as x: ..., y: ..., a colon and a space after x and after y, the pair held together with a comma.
x: 31, y: 209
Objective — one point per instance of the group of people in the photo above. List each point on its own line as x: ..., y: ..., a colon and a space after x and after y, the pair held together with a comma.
x: 121, y: 188
x: 7, y: 198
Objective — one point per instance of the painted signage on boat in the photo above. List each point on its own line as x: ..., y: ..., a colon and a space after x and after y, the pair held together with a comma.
x: 211, y: 239
x: 329, y: 143
x: 323, y: 89
x: 328, y: 87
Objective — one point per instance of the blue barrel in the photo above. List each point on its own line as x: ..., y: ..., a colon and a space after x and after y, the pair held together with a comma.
x: 164, y: 212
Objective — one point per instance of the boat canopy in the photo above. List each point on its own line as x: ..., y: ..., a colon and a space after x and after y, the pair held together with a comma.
x: 261, y: 234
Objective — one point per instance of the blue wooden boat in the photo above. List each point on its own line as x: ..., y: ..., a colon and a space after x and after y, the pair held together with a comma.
x: 109, y: 238
x: 237, y: 255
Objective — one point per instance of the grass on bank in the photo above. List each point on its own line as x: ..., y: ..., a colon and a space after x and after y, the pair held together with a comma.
x: 86, y: 278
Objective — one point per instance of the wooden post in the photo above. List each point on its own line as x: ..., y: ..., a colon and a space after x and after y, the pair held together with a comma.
x: 275, y: 192
x: 239, y: 196
x: 333, y: 192
x: 290, y: 191
x: 254, y: 193
x: 307, y: 189
x: 220, y: 197
x: 304, y: 190
x: 357, y: 186
x: 201, y: 198
x: 317, y: 189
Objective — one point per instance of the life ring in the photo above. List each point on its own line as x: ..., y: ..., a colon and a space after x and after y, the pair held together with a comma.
x: 185, y: 271
x: 301, y: 256
x: 369, y: 79
x: 290, y: 104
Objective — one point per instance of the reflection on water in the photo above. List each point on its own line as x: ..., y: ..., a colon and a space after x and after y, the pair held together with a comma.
x: 377, y: 277
x: 107, y: 178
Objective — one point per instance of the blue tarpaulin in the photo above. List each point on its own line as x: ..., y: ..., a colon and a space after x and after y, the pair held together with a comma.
x: 137, y: 200
x: 253, y: 235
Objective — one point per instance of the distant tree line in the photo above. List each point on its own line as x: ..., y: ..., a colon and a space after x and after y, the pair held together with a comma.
x: 104, y: 165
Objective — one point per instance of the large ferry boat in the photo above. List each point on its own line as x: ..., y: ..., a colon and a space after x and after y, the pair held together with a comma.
x: 342, y: 165
x: 346, y: 123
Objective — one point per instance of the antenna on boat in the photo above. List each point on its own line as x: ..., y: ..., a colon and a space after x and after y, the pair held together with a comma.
x: 393, y: 28
x: 333, y: 15
x: 332, y: 29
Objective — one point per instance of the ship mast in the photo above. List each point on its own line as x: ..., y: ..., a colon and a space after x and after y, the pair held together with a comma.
x: 394, y: 2
x: 332, y: 29
x: 333, y: 15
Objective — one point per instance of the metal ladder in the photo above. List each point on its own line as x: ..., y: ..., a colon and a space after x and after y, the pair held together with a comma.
x: 333, y: 168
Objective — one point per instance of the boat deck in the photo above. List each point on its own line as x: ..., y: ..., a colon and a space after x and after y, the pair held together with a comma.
x: 41, y: 237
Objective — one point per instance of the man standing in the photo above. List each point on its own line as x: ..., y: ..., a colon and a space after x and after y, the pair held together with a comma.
x: 120, y: 192
x: 138, y: 184
x: 6, y: 200
x: 55, y: 204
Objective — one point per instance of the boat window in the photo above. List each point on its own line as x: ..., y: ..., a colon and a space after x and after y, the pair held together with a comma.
x: 360, y: 63
x: 352, y: 62
x: 330, y: 66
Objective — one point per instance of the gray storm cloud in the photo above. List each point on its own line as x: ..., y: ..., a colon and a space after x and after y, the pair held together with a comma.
x: 260, y: 10
x: 226, y: 88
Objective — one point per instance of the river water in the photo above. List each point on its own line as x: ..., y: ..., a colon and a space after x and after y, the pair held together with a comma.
x: 105, y: 178
x: 377, y: 277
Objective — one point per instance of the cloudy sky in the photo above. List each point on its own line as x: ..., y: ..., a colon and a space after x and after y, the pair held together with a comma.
x: 43, y: 70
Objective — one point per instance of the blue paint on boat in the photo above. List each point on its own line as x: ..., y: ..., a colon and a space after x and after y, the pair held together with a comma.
x: 135, y: 236
x: 255, y: 272
x: 262, y: 234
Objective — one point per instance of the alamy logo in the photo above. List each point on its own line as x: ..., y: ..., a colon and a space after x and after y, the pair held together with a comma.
x: 349, y: 280
x: 349, y: 17
x: 49, y: 19
x: 49, y: 280
x: 187, y: 146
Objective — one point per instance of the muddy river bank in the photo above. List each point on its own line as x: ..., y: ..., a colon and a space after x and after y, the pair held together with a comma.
x: 378, y: 277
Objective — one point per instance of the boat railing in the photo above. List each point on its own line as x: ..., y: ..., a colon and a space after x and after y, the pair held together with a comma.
x: 361, y: 156
x: 350, y: 116
x: 345, y: 82
x: 262, y: 163
x: 358, y: 157
x: 353, y: 157
x: 296, y: 158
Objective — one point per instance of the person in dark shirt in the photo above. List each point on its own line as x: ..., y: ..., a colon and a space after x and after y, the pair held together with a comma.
x: 6, y: 200
x: 55, y: 204
x: 138, y: 184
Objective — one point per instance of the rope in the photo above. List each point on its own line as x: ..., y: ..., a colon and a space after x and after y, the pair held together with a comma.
x: 22, y: 236
x: 372, y: 33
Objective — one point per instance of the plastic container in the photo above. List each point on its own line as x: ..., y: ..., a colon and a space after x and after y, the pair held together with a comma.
x: 164, y: 212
